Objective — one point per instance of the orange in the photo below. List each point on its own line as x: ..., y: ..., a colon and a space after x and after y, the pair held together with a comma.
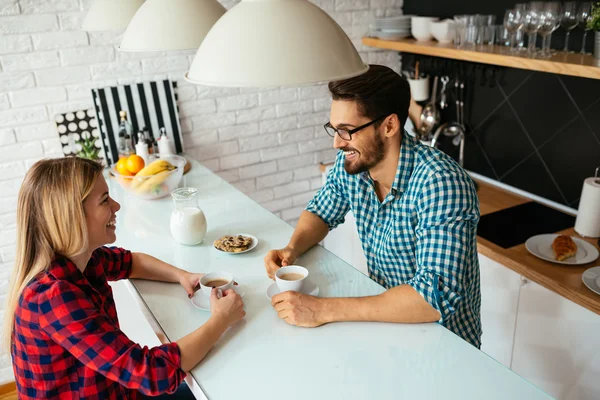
x: 122, y: 167
x: 135, y: 163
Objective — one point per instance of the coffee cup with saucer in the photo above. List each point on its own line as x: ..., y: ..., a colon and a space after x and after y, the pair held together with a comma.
x: 292, y: 278
x: 221, y: 281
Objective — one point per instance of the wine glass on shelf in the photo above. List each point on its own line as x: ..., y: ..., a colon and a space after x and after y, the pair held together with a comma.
x: 520, y: 35
x: 549, y: 18
x: 556, y: 8
x: 531, y: 24
x: 513, y: 21
x: 568, y: 20
x: 584, y: 15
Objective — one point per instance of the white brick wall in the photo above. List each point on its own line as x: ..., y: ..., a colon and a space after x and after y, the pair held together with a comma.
x: 266, y: 142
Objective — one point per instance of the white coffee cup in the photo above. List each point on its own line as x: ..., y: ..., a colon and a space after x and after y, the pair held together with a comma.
x: 295, y: 285
x: 225, y: 277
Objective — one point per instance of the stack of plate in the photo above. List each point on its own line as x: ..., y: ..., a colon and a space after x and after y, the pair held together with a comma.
x: 391, y: 28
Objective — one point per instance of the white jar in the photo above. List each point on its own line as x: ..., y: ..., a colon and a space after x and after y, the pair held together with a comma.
x: 188, y: 223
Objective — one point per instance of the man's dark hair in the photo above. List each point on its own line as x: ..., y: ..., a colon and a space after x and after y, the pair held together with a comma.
x: 378, y: 92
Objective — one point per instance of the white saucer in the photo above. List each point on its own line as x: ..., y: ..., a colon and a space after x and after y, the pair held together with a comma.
x: 201, y: 300
x: 541, y: 247
x: 310, y: 288
x: 252, y: 246
x: 591, y: 279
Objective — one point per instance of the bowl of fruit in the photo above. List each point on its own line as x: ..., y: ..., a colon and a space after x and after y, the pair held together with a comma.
x: 153, y: 181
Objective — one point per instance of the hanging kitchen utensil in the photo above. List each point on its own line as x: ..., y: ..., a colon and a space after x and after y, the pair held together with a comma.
x: 443, y: 102
x: 430, y: 116
x: 461, y: 120
x: 454, y: 129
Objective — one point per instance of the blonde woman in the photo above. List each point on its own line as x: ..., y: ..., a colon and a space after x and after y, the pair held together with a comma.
x: 61, y: 322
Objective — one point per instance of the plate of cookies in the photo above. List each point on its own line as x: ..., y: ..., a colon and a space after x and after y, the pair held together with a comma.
x: 235, y: 244
x: 561, y: 249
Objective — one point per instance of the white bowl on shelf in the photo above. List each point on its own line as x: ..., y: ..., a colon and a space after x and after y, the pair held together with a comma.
x: 442, y: 31
x: 420, y: 28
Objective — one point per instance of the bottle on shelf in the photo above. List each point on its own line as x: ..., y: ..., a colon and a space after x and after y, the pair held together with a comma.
x: 125, y: 135
x: 141, y: 148
x: 149, y: 138
x: 165, y: 146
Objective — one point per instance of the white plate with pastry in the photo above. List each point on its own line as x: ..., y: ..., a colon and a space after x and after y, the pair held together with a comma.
x: 561, y: 250
x: 235, y: 244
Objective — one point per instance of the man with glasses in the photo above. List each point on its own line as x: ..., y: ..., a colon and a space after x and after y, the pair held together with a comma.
x: 416, y: 212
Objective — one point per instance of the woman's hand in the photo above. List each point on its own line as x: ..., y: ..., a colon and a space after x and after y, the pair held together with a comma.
x: 229, y: 308
x: 190, y: 282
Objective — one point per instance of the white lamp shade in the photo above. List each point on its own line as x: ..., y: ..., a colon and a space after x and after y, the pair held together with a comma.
x: 110, y: 15
x: 161, y: 25
x: 264, y: 43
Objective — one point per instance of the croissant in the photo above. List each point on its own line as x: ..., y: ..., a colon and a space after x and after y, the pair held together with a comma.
x: 564, y: 247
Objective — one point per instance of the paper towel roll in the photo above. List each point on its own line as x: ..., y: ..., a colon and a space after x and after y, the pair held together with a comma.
x: 588, y: 216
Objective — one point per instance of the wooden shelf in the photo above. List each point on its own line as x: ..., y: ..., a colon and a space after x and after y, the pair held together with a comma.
x: 574, y: 64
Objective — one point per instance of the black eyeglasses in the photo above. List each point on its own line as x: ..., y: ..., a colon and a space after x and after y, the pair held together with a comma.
x: 345, y: 133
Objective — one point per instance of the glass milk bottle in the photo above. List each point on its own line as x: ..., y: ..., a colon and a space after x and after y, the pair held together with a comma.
x: 188, y: 223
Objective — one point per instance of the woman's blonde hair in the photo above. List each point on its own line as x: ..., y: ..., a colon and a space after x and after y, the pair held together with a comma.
x: 50, y: 220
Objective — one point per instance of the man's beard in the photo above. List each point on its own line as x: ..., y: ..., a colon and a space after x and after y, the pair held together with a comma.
x: 368, y: 158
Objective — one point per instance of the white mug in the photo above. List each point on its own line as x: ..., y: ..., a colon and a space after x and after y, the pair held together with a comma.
x: 287, y: 285
x: 214, y: 276
x: 419, y: 88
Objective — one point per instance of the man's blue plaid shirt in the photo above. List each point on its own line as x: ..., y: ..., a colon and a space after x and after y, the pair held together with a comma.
x: 423, y: 233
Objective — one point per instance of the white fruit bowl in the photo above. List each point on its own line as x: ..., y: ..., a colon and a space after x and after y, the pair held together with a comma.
x: 141, y: 187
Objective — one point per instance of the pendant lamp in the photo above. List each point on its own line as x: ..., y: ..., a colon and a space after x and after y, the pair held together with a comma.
x: 162, y: 25
x: 110, y: 15
x: 266, y: 43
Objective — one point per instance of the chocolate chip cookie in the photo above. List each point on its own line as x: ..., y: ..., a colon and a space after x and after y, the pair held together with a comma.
x: 233, y: 244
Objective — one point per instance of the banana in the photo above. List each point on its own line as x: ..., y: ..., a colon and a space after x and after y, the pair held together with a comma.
x: 154, y: 168
x: 153, y: 182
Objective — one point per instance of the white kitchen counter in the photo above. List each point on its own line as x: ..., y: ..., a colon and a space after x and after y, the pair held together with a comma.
x: 264, y: 358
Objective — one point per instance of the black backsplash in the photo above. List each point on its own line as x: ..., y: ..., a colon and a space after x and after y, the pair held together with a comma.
x: 536, y: 131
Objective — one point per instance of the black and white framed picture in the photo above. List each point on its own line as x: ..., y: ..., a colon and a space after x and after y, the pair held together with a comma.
x: 148, y: 104
x: 79, y: 135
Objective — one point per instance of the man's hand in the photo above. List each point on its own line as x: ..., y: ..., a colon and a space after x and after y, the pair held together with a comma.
x: 299, y: 309
x: 276, y: 259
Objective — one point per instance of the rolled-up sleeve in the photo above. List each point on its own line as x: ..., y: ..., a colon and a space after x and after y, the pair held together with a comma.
x: 330, y: 204
x: 73, y: 321
x: 448, y: 214
x: 116, y: 262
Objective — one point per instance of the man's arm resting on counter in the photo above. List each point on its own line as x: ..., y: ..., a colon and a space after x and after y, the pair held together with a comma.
x: 145, y: 266
x: 400, y: 304
x: 309, y: 231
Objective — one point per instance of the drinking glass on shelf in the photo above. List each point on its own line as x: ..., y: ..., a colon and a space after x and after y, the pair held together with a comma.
x: 531, y: 24
x: 513, y: 21
x: 584, y: 15
x: 472, y: 30
x: 502, y: 35
x: 488, y: 32
x: 568, y: 20
x: 460, y: 23
x: 548, y: 23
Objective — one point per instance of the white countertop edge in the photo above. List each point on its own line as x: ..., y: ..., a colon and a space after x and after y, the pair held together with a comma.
x: 194, y: 386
